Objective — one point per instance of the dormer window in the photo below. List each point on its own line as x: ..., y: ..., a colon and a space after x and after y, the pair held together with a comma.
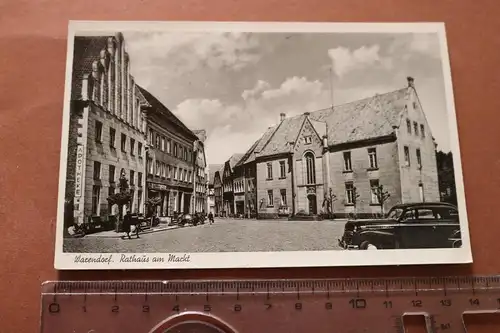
x: 308, y: 140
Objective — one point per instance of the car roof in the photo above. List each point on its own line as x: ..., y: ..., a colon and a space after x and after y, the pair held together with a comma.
x: 425, y: 204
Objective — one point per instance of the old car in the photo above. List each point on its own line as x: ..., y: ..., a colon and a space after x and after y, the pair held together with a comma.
x: 406, y: 226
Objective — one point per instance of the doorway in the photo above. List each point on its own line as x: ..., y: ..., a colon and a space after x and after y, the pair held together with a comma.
x: 312, y: 204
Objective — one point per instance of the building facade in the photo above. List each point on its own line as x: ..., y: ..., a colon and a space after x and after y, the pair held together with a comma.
x: 359, y: 158
x: 218, y: 192
x: 212, y: 169
x: 169, y: 160
x: 229, y: 194
x: 200, y: 200
x: 107, y: 130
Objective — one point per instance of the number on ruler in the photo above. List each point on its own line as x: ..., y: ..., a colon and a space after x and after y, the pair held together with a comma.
x: 416, y: 303
x: 115, y: 308
x: 474, y: 301
x: 207, y: 308
x: 54, y: 308
x: 388, y: 304
x: 445, y: 302
x: 358, y: 303
x: 328, y: 306
x: 237, y: 308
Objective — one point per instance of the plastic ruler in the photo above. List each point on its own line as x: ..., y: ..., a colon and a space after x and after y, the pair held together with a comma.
x: 375, y: 305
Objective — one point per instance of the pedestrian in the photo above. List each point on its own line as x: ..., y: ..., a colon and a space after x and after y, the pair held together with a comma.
x: 211, y: 218
x: 127, y: 223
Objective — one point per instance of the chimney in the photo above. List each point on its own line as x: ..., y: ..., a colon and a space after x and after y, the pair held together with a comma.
x: 411, y: 82
x: 282, y: 116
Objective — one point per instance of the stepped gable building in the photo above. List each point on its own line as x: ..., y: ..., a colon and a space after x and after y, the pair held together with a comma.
x: 106, y: 130
x: 219, y: 191
x: 169, y: 159
x: 200, y: 200
x: 230, y: 193
x: 212, y: 169
x: 348, y: 152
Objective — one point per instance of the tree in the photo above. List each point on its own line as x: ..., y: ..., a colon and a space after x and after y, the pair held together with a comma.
x: 382, y: 196
x: 328, y: 201
x: 446, y: 177
x: 121, y: 198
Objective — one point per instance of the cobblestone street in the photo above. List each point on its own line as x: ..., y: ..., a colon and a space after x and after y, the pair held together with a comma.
x: 226, y: 235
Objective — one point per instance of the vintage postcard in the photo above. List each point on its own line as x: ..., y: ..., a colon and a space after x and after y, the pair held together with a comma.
x: 225, y: 145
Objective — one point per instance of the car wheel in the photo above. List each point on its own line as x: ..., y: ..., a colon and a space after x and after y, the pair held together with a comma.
x: 366, y: 245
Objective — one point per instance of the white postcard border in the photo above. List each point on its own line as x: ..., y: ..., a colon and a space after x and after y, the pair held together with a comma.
x: 463, y: 255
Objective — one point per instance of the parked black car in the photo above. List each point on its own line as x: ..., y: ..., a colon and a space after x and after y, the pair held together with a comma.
x: 406, y: 226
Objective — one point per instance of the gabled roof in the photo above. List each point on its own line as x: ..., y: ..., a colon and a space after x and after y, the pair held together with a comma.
x: 249, y: 156
x: 162, y: 109
x: 86, y: 50
x: 212, y: 169
x: 201, y: 134
x: 368, y: 118
x: 234, y: 159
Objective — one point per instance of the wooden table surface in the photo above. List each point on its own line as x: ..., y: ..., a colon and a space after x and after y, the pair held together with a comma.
x: 32, y: 65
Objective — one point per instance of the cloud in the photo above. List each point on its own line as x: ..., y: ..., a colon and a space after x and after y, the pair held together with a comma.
x: 184, y: 52
x: 344, y: 60
x: 427, y: 44
x: 259, y: 87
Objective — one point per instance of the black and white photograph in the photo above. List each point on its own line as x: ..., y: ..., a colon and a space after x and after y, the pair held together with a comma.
x: 239, y: 145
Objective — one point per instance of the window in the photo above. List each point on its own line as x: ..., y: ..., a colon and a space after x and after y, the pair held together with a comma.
x: 96, y: 198
x: 111, y: 174
x: 98, y: 131
x: 310, y: 169
x: 269, y: 171
x: 132, y: 176
x: 157, y: 166
x: 282, y: 169
x: 349, y: 193
x: 175, y: 173
x: 422, y: 131
x: 414, y: 105
x: 132, y: 146
x: 132, y: 208
x: 175, y: 149
x: 307, y: 140
x: 270, y: 202
x: 374, y: 186
x: 419, y: 159
x: 421, y: 192
x: 112, y: 137
x: 169, y: 146
x: 111, y: 191
x: 283, y: 197
x: 347, y: 161
x: 408, y: 126
x: 157, y: 141
x: 189, y: 177
x: 97, y: 170
x: 407, y: 155
x: 150, y: 137
x: 139, y: 179
x: 415, y: 128
x: 372, y: 156
x: 149, y: 165
x: 139, y: 149
x: 139, y: 200
x: 169, y: 175
x: 190, y: 155
x: 124, y: 142
x: 162, y: 143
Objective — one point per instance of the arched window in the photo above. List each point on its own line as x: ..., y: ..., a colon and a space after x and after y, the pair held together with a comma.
x: 310, y: 168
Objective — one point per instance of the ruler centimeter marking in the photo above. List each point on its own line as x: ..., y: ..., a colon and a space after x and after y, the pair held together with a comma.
x: 355, y: 305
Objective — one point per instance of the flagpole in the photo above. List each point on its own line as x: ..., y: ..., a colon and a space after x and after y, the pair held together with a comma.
x: 331, y: 85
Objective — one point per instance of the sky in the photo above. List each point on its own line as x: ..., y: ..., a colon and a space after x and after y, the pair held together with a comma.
x: 235, y: 85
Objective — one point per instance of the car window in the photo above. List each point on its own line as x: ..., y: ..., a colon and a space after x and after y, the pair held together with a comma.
x: 446, y: 213
x: 395, y: 213
x: 410, y: 214
x: 426, y: 214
